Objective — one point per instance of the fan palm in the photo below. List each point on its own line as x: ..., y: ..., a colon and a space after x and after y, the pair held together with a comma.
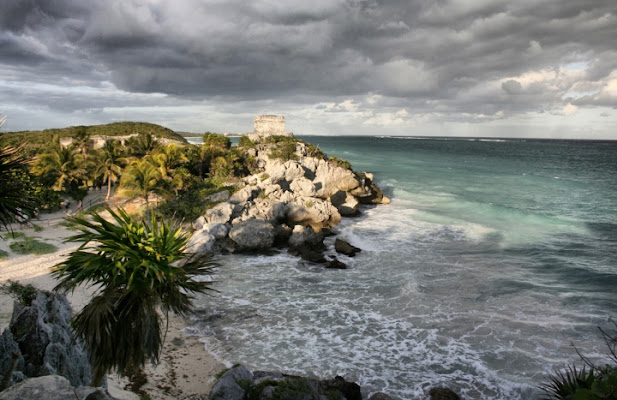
x: 142, y: 271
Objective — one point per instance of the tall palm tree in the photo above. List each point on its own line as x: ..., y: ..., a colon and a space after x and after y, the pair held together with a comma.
x: 142, y: 144
x: 138, y: 269
x: 141, y: 179
x: 111, y: 161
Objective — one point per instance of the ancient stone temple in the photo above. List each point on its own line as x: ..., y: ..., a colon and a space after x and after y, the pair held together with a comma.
x: 269, y: 125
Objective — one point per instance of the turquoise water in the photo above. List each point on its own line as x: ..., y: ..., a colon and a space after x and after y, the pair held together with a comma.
x: 492, y: 259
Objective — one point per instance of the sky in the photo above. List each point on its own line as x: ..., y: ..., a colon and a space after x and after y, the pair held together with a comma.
x: 503, y: 68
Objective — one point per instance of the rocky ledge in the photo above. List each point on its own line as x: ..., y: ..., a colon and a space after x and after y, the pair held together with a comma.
x: 292, y: 203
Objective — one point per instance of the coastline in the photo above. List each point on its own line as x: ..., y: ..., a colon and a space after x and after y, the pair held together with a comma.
x: 186, y: 367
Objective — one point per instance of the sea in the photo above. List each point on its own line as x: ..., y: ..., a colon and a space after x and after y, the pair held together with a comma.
x: 494, y: 264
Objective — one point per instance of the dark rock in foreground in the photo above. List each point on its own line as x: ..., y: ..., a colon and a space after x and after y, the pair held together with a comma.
x: 345, y: 248
x: 239, y: 384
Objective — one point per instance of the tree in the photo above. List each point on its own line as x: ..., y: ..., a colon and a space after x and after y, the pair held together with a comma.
x: 62, y: 165
x: 216, y: 141
x: 138, y: 269
x: 141, y: 179
x: 142, y: 144
x: 111, y: 159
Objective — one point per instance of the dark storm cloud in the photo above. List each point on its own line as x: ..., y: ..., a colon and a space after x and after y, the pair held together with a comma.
x: 429, y: 56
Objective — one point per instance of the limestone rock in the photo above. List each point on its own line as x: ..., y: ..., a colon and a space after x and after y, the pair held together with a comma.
x: 345, y: 248
x: 218, y: 231
x: 252, y: 234
x: 201, y: 242
x: 199, y: 223
x: 243, y: 195
x: 45, y: 340
x: 303, y: 187
x: 219, y: 214
x: 227, y: 387
x: 345, y: 203
x: 8, y: 346
x: 218, y: 197
x: 329, y: 179
x: 314, y: 212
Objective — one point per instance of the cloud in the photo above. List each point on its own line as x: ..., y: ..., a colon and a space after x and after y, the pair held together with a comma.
x: 452, y: 60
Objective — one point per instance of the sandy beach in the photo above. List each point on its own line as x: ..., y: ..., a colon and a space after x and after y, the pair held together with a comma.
x: 186, y: 368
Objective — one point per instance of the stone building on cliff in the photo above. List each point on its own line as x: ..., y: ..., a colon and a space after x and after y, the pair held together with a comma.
x: 268, y: 125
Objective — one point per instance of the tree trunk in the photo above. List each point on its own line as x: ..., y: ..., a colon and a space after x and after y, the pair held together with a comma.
x: 108, y: 188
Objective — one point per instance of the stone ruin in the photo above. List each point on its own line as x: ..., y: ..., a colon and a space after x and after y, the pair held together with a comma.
x: 268, y: 125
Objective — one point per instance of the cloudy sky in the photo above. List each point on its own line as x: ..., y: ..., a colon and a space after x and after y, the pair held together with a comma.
x: 540, y: 68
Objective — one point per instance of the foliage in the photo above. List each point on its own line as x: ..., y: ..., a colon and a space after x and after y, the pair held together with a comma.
x: 110, y: 161
x: 61, y: 166
x: 216, y: 141
x: 246, y: 143
x: 24, y: 294
x: 3, y: 255
x: 288, y: 388
x: 15, y: 195
x: 590, y: 382
x: 32, y: 246
x: 339, y: 162
x: 283, y: 147
x: 139, y: 268
x: 140, y: 145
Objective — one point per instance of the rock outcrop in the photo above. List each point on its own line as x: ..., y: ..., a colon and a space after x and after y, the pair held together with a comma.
x: 41, y: 335
x: 282, y: 200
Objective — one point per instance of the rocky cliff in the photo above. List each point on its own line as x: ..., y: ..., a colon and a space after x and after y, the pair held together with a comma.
x: 291, y: 201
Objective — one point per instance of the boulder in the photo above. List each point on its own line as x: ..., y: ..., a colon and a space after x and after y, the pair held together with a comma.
x: 52, y: 387
x: 329, y: 179
x: 368, y: 192
x: 307, y: 243
x: 44, y: 336
x: 438, y: 393
x: 303, y: 187
x: 220, y: 214
x: 201, y: 242
x: 199, y: 223
x: 311, y: 211
x: 350, y: 390
x: 335, y: 264
x: 243, y: 195
x: 218, y: 231
x: 345, y: 203
x: 227, y: 387
x: 293, y: 170
x: 345, y: 248
x: 252, y: 234
x: 218, y: 197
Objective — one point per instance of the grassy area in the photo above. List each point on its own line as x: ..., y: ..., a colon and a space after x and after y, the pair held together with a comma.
x: 29, y: 245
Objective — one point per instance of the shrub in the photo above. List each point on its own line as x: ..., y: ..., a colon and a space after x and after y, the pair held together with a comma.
x: 246, y: 143
x: 214, y: 140
x: 24, y: 294
x: 3, y: 255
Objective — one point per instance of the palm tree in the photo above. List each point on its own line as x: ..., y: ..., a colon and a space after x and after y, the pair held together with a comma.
x: 142, y: 144
x: 63, y: 165
x: 140, y: 270
x: 141, y: 179
x: 111, y: 159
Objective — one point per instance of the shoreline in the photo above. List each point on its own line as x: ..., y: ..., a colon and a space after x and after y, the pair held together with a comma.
x: 185, y: 368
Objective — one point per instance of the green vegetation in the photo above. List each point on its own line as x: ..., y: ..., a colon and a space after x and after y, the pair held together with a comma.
x: 288, y: 388
x: 590, y: 382
x: 24, y: 294
x: 3, y: 255
x: 37, y: 138
x: 16, y: 200
x: 32, y: 246
x: 284, y: 147
x: 141, y: 270
x: 339, y: 162
x: 216, y: 141
x: 246, y: 143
